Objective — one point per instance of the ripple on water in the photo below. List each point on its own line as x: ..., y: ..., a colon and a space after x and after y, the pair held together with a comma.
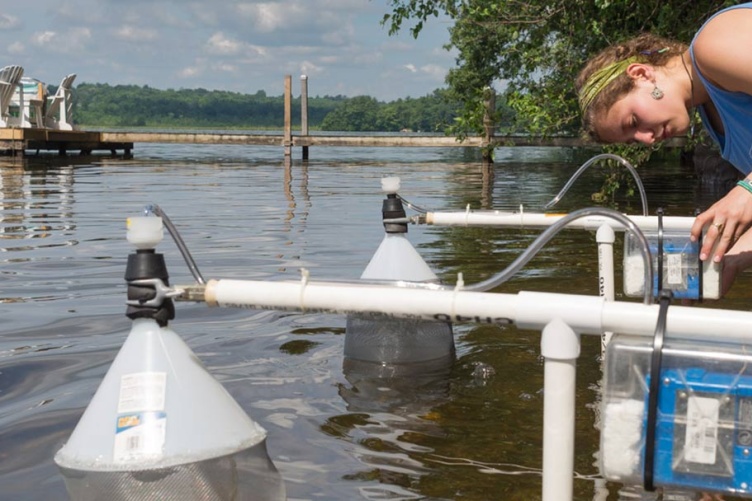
x: 335, y: 432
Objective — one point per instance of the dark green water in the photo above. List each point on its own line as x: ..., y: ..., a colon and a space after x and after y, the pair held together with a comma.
x: 243, y: 214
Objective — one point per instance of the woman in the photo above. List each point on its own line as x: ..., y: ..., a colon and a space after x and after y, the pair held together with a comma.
x: 645, y: 89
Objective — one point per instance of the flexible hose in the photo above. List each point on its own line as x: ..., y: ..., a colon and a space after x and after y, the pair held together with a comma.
x: 496, y: 279
x: 157, y: 211
x: 552, y: 230
x: 414, y: 207
x: 590, y: 162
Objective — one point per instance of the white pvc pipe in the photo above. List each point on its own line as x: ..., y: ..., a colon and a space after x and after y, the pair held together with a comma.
x: 560, y: 346
x: 528, y: 310
x: 561, y: 318
x: 543, y: 220
x: 605, y: 236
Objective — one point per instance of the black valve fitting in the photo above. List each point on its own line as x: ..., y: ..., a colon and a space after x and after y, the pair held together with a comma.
x: 392, y: 209
x: 147, y: 264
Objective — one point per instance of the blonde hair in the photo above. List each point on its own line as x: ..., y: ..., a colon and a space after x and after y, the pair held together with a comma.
x: 597, y: 93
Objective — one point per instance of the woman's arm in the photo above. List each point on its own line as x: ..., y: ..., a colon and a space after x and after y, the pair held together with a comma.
x: 723, y: 53
x: 723, y: 50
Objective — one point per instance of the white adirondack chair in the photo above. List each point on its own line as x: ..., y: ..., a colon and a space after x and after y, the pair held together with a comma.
x: 58, y: 114
x: 10, y: 76
x: 27, y: 103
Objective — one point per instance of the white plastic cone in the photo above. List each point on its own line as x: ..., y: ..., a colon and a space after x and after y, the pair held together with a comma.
x: 397, y: 259
x: 161, y: 428
x: 157, y: 407
x: 394, y: 346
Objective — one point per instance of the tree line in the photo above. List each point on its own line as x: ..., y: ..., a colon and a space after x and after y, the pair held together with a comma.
x: 104, y: 105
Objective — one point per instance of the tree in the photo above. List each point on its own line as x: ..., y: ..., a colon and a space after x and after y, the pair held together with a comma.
x: 356, y: 114
x: 532, y: 50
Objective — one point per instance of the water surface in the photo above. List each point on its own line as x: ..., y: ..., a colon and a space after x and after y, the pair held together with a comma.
x: 471, y: 432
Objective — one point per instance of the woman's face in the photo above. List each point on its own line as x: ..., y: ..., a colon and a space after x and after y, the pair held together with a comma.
x: 638, y: 117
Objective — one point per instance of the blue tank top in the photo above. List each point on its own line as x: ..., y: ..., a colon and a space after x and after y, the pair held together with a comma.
x: 735, y: 110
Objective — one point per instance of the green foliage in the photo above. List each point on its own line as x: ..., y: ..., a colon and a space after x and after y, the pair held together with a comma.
x: 532, y: 50
x: 356, y: 114
x: 134, y: 106
x: 426, y: 114
x: 617, y: 175
x: 131, y: 105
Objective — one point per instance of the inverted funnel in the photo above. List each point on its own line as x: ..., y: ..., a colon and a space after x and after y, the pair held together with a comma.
x: 393, y: 343
x: 160, y: 426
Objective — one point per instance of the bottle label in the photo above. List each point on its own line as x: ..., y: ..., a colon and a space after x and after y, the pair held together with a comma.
x: 139, y: 435
x: 142, y: 391
x: 141, y: 425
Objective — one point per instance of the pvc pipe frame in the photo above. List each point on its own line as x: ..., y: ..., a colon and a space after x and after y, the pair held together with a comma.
x: 560, y: 347
x: 524, y: 219
x: 584, y: 314
x: 561, y: 322
x: 605, y: 237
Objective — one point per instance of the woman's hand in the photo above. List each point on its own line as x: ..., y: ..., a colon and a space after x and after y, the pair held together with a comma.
x: 728, y: 218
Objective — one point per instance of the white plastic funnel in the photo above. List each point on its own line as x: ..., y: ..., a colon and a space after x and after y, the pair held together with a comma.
x: 158, y: 413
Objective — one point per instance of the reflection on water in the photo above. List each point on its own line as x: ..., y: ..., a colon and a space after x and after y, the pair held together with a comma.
x: 469, y: 429
x: 35, y: 204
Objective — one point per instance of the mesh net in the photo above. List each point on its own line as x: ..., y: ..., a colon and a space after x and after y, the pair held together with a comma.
x: 245, y: 475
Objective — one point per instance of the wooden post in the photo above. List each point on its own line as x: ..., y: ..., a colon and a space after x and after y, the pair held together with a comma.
x: 304, y: 111
x: 489, y: 103
x: 287, y: 140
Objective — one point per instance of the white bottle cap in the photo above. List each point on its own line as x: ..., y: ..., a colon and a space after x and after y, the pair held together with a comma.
x: 390, y: 184
x: 144, y: 232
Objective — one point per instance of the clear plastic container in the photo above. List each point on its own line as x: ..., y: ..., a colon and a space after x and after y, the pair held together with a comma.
x: 703, y: 420
x: 681, y: 268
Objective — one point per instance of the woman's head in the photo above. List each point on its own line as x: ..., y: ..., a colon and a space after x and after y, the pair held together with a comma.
x: 614, y: 73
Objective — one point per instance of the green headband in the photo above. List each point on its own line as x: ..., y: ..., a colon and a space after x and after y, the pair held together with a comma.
x: 600, y: 79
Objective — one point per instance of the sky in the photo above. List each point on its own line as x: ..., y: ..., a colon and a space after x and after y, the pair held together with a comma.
x: 235, y: 45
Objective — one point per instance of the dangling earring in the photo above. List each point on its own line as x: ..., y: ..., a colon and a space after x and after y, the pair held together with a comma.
x: 656, y: 93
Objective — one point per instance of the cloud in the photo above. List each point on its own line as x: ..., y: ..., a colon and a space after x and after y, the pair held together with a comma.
x: 16, y: 48
x: 135, y: 34
x: 8, y: 22
x: 271, y: 16
x: 190, y: 72
x: 309, y: 68
x: 71, y: 41
x: 219, y: 44
x: 43, y: 38
x: 226, y: 68
x: 411, y: 68
x: 434, y: 70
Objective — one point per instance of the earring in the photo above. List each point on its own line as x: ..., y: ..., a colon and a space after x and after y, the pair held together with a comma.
x: 656, y: 93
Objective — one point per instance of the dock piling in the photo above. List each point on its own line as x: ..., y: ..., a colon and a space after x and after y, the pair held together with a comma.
x: 489, y: 124
x: 304, y: 111
x: 288, y: 111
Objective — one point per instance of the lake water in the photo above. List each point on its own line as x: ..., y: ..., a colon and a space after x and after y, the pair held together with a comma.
x: 472, y: 433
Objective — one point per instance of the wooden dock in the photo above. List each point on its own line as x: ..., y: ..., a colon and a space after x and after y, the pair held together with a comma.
x: 319, y: 140
x: 34, y: 141
x: 19, y: 142
x: 31, y: 141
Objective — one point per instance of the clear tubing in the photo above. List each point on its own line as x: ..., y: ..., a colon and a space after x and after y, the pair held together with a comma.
x: 590, y: 162
x: 414, y: 207
x: 157, y: 210
x: 552, y: 230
